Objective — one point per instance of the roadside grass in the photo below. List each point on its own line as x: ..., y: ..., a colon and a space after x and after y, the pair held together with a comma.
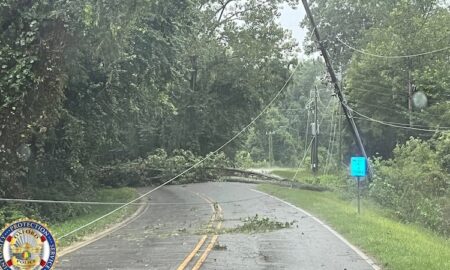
x: 394, y: 245
x: 96, y: 211
x: 333, y: 180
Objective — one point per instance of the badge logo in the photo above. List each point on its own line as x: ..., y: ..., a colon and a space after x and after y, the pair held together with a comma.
x: 27, y: 245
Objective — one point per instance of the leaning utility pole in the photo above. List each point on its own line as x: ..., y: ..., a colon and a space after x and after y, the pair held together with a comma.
x: 315, y: 133
x: 337, y: 88
x: 340, y: 156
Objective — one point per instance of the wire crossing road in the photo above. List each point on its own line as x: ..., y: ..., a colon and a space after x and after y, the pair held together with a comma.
x: 180, y: 230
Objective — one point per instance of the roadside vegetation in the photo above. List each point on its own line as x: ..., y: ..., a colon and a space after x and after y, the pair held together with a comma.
x: 394, y: 244
x: 95, y: 211
x: 78, y: 214
x: 333, y: 180
x: 414, y: 185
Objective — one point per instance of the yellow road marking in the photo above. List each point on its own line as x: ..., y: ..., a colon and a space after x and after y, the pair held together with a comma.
x: 192, y: 254
x: 205, y: 254
x: 200, y: 243
x: 218, y: 213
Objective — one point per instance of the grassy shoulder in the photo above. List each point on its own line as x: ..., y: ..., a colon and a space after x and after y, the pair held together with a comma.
x: 393, y: 244
x: 96, y: 211
x: 306, y: 176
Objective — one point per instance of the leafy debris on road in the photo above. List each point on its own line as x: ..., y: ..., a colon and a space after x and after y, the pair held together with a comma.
x: 253, y: 224
x: 218, y: 246
x: 259, y: 224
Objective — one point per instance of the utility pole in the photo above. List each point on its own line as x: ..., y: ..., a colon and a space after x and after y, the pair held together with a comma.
x: 315, y: 133
x: 410, y: 93
x: 340, y: 120
x: 340, y: 136
x: 337, y: 88
x: 270, y: 150
x: 270, y: 133
x: 308, y: 107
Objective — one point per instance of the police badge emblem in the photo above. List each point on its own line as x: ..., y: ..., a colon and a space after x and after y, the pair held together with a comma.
x: 27, y: 245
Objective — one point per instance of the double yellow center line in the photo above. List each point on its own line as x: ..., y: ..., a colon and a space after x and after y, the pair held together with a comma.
x: 216, y: 218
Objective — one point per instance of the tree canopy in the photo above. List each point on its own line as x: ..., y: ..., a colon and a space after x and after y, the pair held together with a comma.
x: 88, y: 84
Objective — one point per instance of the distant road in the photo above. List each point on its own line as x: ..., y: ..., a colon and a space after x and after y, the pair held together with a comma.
x: 177, y: 231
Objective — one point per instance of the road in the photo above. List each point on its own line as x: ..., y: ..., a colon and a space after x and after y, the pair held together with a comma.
x: 179, y: 230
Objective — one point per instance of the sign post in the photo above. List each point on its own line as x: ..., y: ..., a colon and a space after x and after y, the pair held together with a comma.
x: 358, y: 169
x: 359, y: 195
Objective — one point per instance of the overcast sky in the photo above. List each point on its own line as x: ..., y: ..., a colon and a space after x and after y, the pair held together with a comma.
x: 290, y: 19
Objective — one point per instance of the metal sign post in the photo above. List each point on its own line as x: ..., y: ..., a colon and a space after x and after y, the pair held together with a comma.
x: 359, y: 195
x: 358, y: 169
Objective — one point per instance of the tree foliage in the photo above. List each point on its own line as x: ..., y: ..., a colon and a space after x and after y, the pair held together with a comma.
x: 90, y: 86
x: 415, y: 184
x: 379, y: 87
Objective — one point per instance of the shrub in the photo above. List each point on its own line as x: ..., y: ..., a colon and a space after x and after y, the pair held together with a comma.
x: 413, y: 184
x: 243, y: 159
x: 9, y: 214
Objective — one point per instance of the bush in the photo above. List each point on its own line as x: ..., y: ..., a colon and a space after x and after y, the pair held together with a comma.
x: 443, y: 150
x: 243, y: 159
x: 414, y: 184
x: 9, y: 214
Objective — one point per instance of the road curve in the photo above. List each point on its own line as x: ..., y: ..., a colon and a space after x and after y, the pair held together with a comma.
x: 179, y: 230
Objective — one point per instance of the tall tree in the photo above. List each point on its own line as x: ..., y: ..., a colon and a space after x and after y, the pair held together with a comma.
x: 350, y: 19
x: 379, y: 86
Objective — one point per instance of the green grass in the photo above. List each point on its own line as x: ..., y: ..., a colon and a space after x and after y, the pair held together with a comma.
x: 103, y: 195
x: 394, y: 245
x: 334, y: 181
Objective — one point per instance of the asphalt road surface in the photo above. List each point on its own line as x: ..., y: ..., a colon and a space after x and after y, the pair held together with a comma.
x: 185, y: 227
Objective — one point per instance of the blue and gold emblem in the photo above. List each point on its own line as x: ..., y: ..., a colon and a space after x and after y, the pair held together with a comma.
x: 27, y: 245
